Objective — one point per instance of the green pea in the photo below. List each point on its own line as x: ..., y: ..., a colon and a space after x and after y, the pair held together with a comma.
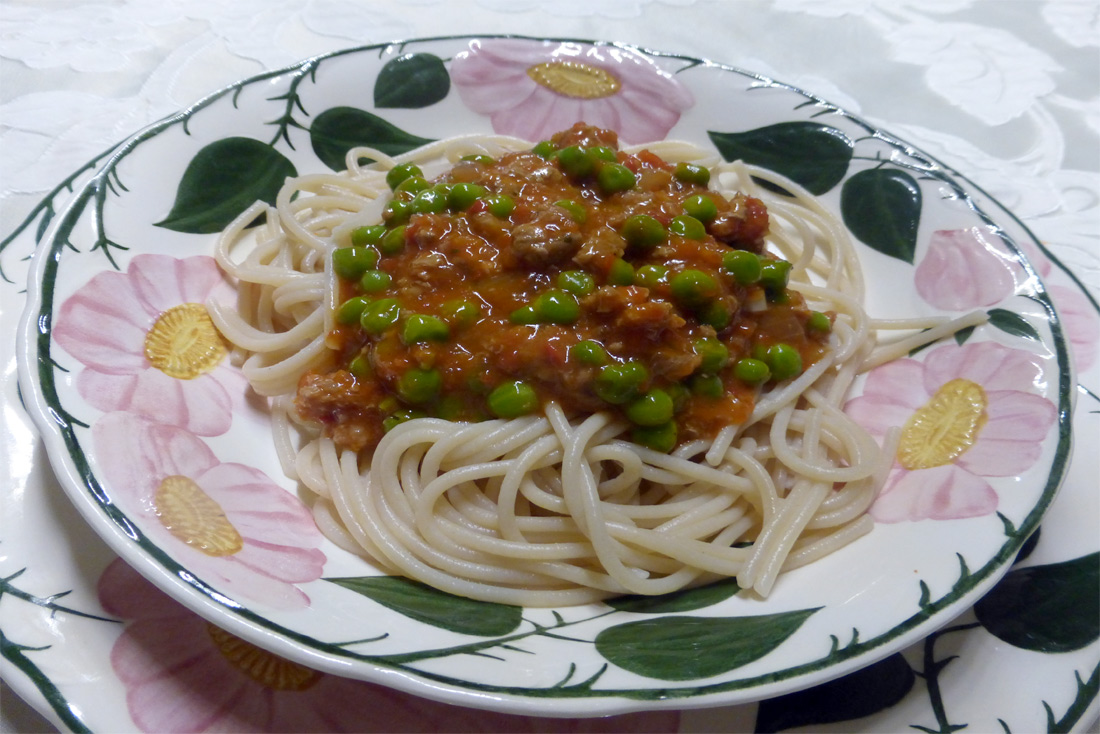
x: 460, y: 313
x: 743, y: 265
x: 367, y: 235
x: 351, y: 262
x: 485, y: 160
x: 576, y: 161
x: 774, y: 274
x: 351, y: 309
x: 651, y: 276
x: 644, y: 231
x: 604, y: 153
x: 393, y: 241
x: 400, y: 172
x: 576, y: 211
x: 784, y: 361
x: 380, y: 315
x: 713, y: 355
x: 500, y: 205
x: 618, y: 383
x: 577, y: 282
x: 398, y: 417
x: 512, y: 399
x: 707, y: 386
x: 716, y: 314
x: 397, y: 212
x: 688, y: 227
x: 701, y: 207
x: 544, y: 149
x: 450, y: 408
x: 589, y: 352
x: 659, y: 438
x: 430, y: 201
x: 620, y: 273
x: 751, y: 371
x: 691, y: 173
x: 524, y: 315
x: 693, y: 287
x: 680, y: 396
x: 424, y: 328
x: 819, y: 322
x: 556, y: 307
x: 360, y: 366
x: 411, y: 186
x: 462, y: 195
x: 652, y: 409
x: 374, y: 281
x: 615, y: 177
x: 419, y: 385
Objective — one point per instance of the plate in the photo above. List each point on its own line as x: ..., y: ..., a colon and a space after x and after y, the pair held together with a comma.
x: 136, y: 240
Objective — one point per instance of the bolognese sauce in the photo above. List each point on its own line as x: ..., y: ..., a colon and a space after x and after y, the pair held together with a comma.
x: 573, y: 272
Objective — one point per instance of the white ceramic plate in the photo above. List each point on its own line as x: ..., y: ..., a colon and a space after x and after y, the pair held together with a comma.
x: 135, y: 241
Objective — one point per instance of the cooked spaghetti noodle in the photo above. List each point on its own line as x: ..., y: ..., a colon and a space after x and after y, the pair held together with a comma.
x: 561, y: 506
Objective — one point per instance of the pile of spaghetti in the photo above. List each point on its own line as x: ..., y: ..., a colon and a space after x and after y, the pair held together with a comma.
x: 547, y: 374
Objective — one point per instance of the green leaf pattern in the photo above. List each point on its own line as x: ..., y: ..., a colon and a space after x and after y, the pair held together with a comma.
x: 431, y: 606
x: 1050, y: 608
x: 881, y: 207
x: 338, y: 130
x: 222, y: 180
x: 412, y: 81
x: 687, y: 647
x: 1012, y: 323
x: 854, y: 696
x: 686, y: 600
x: 812, y: 155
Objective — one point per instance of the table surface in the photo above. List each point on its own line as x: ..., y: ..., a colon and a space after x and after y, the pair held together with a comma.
x: 1007, y: 92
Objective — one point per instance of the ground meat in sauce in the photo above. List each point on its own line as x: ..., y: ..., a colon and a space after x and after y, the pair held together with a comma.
x: 536, y: 279
x: 551, y: 237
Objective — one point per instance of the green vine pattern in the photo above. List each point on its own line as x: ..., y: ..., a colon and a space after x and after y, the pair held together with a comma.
x: 17, y: 655
x: 45, y: 210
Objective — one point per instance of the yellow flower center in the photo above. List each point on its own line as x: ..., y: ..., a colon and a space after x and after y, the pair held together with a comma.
x: 945, y: 427
x: 574, y: 79
x: 183, y: 342
x: 261, y: 666
x: 191, y: 515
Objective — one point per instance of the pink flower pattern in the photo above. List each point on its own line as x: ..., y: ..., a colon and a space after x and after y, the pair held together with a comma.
x: 965, y: 269
x: 614, y: 88
x: 1082, y: 324
x: 1079, y: 315
x: 1007, y: 436
x: 106, y: 323
x: 182, y: 674
x: 268, y: 542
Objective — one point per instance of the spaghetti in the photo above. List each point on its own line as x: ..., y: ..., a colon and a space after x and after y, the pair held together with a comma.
x: 575, y: 497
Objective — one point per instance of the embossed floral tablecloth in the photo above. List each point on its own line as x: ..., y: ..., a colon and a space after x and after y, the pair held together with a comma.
x: 1005, y: 91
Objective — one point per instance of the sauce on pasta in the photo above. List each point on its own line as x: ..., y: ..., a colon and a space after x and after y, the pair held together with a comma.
x: 561, y: 371
x: 574, y: 273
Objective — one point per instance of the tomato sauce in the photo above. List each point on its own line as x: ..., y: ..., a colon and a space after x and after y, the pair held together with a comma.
x: 574, y: 272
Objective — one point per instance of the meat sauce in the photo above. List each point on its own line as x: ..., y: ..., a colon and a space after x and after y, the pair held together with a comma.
x: 574, y: 273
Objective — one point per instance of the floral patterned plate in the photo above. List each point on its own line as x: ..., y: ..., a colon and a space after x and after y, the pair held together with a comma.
x: 138, y: 436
